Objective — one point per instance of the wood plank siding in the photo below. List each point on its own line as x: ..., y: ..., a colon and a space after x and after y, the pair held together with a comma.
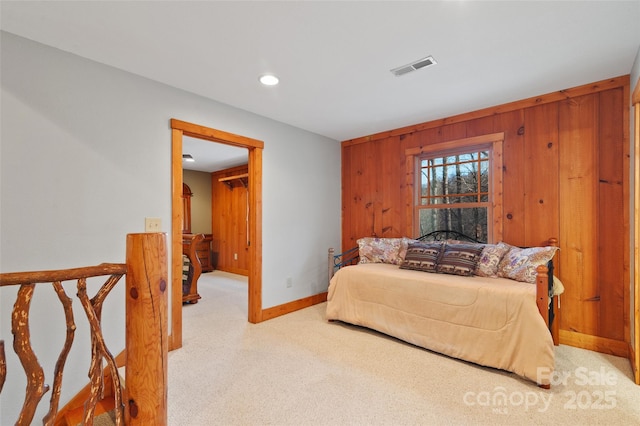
x: 229, y: 214
x: 564, y: 159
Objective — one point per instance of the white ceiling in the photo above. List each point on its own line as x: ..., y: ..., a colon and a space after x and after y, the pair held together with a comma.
x: 334, y: 58
x: 212, y: 156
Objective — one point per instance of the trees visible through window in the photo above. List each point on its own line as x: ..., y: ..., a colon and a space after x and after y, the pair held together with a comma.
x: 455, y: 193
x: 457, y: 185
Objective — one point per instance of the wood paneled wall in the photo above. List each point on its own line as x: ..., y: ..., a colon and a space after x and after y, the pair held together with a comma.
x: 229, y: 206
x: 566, y: 175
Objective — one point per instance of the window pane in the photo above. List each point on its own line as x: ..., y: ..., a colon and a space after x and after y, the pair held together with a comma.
x: 452, y: 179
x: 484, y: 178
x: 468, y: 221
x: 455, y: 193
x: 468, y: 157
x: 469, y: 199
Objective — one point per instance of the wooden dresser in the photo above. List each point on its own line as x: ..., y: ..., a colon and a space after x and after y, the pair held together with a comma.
x: 203, y: 251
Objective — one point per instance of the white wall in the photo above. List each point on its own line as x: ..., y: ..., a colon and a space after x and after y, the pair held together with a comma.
x: 85, y: 155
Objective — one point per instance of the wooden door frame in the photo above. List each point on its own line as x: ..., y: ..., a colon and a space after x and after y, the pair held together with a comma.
x: 255, y: 147
x: 635, y: 339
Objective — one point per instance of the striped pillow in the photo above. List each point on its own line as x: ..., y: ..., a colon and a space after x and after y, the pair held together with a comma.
x: 459, y: 259
x: 422, y: 256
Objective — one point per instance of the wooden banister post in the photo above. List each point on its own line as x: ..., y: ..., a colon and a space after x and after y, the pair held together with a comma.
x: 146, y: 325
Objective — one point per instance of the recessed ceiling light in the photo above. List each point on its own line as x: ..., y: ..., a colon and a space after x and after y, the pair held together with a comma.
x: 269, y: 80
x: 187, y: 157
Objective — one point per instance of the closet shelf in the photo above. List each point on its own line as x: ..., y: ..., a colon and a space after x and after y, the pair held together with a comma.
x: 242, y: 178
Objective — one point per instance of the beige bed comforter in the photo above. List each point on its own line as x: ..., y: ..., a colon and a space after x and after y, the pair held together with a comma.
x: 489, y: 321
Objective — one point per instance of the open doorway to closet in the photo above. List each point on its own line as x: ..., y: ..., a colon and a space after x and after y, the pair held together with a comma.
x: 180, y: 130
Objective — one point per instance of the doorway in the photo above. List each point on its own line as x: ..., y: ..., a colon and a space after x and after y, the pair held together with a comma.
x: 254, y: 147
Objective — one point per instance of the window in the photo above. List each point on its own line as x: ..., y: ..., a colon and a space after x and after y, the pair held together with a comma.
x: 457, y: 185
x: 454, y: 193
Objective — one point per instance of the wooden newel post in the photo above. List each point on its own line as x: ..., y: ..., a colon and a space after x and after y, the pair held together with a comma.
x: 146, y: 309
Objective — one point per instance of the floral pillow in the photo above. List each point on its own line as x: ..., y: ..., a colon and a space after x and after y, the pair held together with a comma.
x: 405, y: 245
x: 459, y: 259
x: 422, y: 256
x: 520, y: 264
x: 381, y: 250
x: 490, y: 258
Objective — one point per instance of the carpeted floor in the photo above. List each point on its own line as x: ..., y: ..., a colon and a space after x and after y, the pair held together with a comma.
x: 299, y: 369
x: 104, y: 419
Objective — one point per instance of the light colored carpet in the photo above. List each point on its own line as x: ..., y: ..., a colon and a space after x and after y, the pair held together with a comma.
x: 299, y: 369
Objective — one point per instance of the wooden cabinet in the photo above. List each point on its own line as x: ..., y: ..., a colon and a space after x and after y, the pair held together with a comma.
x: 203, y: 251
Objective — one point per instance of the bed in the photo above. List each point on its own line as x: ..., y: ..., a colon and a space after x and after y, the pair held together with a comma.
x: 494, y: 321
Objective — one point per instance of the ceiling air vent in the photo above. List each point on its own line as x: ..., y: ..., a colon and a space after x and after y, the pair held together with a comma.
x: 416, y: 65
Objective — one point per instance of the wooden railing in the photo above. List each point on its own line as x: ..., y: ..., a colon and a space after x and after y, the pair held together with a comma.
x: 144, y: 401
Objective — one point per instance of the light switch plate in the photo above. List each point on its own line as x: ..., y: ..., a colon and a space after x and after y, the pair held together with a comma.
x: 152, y: 224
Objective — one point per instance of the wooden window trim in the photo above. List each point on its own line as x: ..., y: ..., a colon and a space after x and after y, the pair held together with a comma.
x: 493, y: 141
